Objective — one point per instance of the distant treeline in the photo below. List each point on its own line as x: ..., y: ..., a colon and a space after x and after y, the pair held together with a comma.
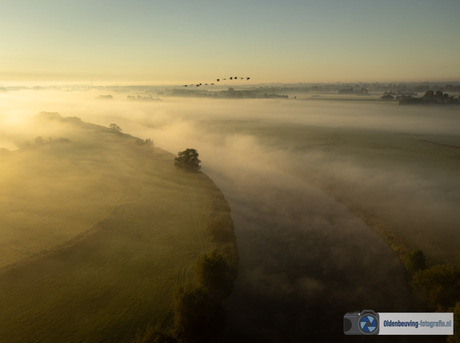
x: 353, y: 90
x: 198, y: 314
x: 275, y: 88
x: 230, y: 93
x: 430, y: 97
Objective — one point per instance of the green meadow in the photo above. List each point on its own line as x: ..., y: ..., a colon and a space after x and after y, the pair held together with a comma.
x: 97, y: 230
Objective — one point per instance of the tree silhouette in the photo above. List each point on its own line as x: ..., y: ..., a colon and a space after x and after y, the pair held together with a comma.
x: 428, y: 94
x: 416, y: 261
x: 439, y: 285
x: 215, y: 275
x: 115, y: 127
x: 188, y: 159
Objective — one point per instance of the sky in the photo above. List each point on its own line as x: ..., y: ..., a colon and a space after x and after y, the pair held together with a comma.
x: 182, y: 41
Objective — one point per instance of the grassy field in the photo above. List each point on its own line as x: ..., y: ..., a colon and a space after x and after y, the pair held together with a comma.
x: 96, y: 232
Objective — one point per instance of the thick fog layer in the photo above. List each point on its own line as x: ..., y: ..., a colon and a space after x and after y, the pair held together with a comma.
x: 291, y: 170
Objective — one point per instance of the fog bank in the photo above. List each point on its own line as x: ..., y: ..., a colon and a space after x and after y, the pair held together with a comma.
x: 287, y: 168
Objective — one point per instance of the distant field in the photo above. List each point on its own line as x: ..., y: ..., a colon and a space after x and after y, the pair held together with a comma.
x: 96, y: 232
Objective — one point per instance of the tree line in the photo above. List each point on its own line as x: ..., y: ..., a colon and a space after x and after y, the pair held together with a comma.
x: 438, y: 286
x: 198, y: 314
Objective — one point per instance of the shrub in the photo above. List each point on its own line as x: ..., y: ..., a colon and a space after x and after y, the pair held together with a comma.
x: 197, y: 317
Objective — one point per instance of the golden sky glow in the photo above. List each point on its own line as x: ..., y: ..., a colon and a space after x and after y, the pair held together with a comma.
x: 273, y: 41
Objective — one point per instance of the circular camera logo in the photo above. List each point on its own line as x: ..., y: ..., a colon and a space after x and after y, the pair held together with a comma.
x: 368, y: 324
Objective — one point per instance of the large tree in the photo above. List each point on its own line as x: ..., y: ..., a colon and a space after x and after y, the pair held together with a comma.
x: 188, y: 159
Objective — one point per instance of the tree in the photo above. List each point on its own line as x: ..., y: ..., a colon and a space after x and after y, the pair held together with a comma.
x: 188, y: 159
x: 416, y: 261
x: 438, y: 94
x: 115, y: 127
x: 439, y: 285
x: 428, y: 94
x: 215, y: 275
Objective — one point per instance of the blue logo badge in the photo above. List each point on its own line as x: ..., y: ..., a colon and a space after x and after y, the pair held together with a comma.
x: 368, y: 324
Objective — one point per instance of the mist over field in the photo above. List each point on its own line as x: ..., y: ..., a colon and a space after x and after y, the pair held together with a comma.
x: 296, y: 173
x: 328, y: 134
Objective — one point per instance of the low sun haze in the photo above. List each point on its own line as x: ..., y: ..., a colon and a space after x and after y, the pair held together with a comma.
x: 174, y: 42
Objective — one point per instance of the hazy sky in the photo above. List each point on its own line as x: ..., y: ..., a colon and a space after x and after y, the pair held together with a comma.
x: 176, y: 41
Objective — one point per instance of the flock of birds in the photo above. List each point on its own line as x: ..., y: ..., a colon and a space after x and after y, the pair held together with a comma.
x: 218, y: 80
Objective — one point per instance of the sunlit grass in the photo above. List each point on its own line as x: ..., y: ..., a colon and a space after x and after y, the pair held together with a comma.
x: 144, y: 223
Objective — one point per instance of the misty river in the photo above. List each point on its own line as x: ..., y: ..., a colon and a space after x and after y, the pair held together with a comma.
x: 305, y: 260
